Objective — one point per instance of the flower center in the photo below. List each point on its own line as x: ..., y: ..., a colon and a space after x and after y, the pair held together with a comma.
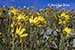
x: 63, y: 18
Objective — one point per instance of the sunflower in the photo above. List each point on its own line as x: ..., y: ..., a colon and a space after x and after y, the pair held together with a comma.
x: 22, y: 19
x: 19, y: 31
x: 38, y: 21
x: 13, y: 12
x: 68, y: 31
x: 64, y: 18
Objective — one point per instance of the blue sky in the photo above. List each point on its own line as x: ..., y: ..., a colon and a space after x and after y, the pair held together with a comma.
x: 38, y: 4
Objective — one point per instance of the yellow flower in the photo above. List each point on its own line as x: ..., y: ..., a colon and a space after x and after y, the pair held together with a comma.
x: 22, y: 17
x: 38, y: 21
x: 64, y: 18
x: 13, y: 10
x: 19, y: 31
x: 68, y: 31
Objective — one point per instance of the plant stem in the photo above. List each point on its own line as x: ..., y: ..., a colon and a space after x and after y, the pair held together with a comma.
x: 21, y: 46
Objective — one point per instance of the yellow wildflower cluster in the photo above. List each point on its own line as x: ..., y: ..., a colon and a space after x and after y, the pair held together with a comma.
x: 39, y: 26
x: 19, y: 20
